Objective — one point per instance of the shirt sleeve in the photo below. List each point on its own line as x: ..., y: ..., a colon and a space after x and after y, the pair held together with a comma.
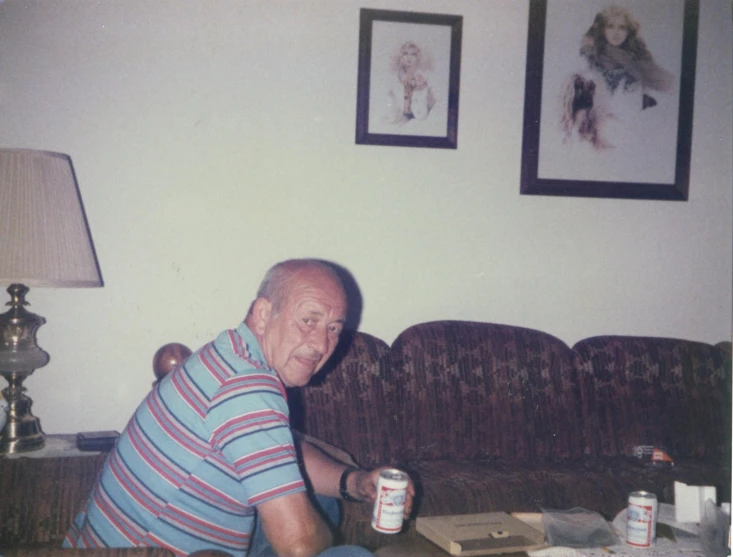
x: 249, y: 424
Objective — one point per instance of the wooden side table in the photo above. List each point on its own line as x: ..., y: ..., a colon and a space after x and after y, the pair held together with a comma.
x: 57, y: 445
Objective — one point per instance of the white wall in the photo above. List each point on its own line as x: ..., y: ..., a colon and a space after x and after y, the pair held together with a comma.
x: 214, y: 138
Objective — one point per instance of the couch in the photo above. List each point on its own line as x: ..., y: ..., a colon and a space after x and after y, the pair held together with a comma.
x: 484, y: 416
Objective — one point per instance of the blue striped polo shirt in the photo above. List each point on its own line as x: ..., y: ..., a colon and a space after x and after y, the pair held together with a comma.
x: 209, y: 443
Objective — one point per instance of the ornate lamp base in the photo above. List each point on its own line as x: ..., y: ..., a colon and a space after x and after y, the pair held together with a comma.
x: 25, y: 444
x: 19, y: 356
x: 22, y: 432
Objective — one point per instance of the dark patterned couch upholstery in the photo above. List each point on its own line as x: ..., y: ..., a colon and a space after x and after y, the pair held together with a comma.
x: 486, y: 417
x: 503, y: 392
x: 642, y: 391
x: 492, y: 417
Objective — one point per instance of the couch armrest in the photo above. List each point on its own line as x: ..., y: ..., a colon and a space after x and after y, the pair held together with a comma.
x: 331, y: 450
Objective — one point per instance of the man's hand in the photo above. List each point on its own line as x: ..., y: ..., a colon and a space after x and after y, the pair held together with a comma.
x: 324, y: 474
x: 362, y: 485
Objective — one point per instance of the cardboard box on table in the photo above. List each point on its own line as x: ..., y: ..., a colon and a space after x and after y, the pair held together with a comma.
x: 480, y: 534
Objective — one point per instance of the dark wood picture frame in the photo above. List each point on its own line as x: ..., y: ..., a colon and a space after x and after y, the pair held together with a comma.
x: 379, y: 121
x: 536, y: 180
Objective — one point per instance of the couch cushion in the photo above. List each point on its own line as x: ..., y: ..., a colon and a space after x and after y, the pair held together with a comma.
x: 39, y: 497
x: 460, y: 487
x: 599, y: 484
x: 655, y: 391
x: 348, y: 404
x: 481, y: 390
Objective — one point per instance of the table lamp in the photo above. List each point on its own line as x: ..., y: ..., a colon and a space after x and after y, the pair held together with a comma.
x: 44, y: 241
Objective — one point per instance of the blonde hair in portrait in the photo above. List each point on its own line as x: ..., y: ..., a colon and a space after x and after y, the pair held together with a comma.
x: 408, y: 58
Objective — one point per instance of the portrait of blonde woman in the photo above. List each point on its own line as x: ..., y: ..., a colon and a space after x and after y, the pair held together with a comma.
x: 410, y: 67
x: 621, y: 79
x: 611, y: 95
x: 411, y: 95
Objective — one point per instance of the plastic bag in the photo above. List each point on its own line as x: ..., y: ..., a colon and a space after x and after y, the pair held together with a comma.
x: 577, y: 527
x: 714, y: 531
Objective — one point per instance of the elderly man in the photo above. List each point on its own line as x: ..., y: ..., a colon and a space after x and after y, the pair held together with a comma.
x: 209, y: 452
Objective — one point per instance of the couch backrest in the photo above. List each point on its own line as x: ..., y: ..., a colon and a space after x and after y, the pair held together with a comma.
x: 349, y: 403
x: 467, y: 390
x: 647, y: 391
x: 481, y: 390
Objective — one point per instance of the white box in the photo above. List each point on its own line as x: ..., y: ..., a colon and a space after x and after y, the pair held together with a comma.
x: 689, y: 501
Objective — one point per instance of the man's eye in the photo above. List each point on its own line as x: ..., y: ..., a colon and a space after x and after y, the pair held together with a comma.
x: 308, y: 321
x: 335, y: 329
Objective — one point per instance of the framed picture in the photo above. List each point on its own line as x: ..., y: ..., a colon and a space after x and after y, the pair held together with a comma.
x: 409, y: 71
x: 608, y: 98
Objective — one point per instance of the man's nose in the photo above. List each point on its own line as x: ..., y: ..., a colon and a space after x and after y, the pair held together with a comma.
x: 319, y: 340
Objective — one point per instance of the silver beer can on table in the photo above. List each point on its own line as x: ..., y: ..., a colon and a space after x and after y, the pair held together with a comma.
x: 389, y: 505
x: 641, y: 519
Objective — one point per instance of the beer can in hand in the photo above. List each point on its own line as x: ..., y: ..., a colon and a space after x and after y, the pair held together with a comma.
x: 389, y: 505
x: 641, y: 519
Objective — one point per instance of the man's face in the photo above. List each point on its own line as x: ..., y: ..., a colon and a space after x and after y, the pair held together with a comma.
x: 300, y: 338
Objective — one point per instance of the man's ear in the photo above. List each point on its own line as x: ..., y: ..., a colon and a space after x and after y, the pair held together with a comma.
x: 261, y: 314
